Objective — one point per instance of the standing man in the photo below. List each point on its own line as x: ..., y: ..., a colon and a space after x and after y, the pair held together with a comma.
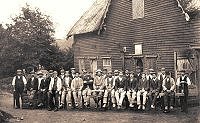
x: 19, y: 86
x: 138, y: 73
x: 182, y: 82
x: 143, y: 87
x: 73, y: 73
x: 54, y: 91
x: 87, y: 88
x: 132, y: 89
x: 155, y: 86
x: 76, y: 86
x: 62, y: 77
x: 98, y: 86
x: 120, y: 89
x: 66, y: 93
x: 41, y: 90
x: 109, y: 89
x: 169, y: 93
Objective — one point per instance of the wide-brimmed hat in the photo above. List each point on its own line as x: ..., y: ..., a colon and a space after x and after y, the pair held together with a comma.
x: 116, y: 71
x: 32, y: 72
x: 39, y: 73
x: 72, y: 68
x: 163, y: 69
x: 99, y: 70
x: 19, y: 71
x: 110, y: 71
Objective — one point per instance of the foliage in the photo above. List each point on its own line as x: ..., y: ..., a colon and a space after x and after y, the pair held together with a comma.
x: 28, y: 41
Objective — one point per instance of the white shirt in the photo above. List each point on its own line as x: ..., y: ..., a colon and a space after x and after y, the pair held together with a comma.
x: 39, y: 82
x: 59, y: 84
x: 23, y: 79
x: 187, y: 79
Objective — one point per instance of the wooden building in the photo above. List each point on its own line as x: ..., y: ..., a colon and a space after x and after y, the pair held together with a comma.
x: 123, y: 34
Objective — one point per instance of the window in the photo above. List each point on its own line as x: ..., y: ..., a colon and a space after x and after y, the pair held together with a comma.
x: 137, y: 9
x: 107, y: 64
x: 138, y: 49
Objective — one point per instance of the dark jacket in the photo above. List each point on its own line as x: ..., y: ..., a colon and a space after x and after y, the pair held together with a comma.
x: 87, y: 82
x: 120, y: 84
x: 143, y: 84
x: 32, y: 84
x: 132, y: 84
x: 155, y: 84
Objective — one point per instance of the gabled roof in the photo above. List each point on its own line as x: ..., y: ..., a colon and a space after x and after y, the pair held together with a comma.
x: 92, y: 19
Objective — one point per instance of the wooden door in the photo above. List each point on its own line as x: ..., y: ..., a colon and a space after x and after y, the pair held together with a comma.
x: 93, y: 66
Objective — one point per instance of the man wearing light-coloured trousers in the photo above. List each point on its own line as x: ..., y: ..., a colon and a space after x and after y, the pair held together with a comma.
x: 66, y: 90
x: 76, y: 86
x: 109, y: 89
x: 120, y: 89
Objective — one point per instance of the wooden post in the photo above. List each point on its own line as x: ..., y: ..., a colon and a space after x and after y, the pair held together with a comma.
x: 175, y: 65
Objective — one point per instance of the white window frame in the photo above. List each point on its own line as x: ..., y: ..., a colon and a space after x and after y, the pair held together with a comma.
x: 138, y: 49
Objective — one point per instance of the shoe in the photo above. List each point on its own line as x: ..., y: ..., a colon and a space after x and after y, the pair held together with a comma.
x: 70, y: 105
x: 40, y: 105
x: 118, y: 107
x: 166, y: 108
x: 49, y: 109
x: 171, y: 107
x: 97, y: 106
x: 143, y: 107
x: 114, y: 105
x: 76, y: 104
x: 56, y: 109
x: 139, y: 107
x: 61, y: 106
x: 131, y: 105
x: 152, y: 106
x: 104, y: 105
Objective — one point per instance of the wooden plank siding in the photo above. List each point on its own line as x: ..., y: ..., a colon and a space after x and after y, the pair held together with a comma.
x: 164, y: 30
x: 110, y: 42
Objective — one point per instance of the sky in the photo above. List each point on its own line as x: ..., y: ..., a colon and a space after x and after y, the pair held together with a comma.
x: 63, y: 13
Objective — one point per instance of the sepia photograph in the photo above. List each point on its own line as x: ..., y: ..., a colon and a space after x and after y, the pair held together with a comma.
x: 99, y: 61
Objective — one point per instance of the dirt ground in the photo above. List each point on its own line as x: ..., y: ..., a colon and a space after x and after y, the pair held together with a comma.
x: 85, y: 116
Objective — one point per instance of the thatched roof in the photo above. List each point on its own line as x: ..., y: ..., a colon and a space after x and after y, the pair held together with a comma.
x: 91, y: 20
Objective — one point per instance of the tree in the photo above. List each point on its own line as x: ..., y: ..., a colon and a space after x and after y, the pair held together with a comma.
x: 28, y: 41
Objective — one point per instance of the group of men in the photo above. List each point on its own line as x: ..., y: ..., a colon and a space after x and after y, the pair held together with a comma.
x: 108, y: 87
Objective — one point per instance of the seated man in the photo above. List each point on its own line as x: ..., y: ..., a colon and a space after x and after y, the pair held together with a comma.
x: 109, y: 89
x: 98, y: 86
x: 32, y: 86
x: 66, y: 90
x: 76, y: 87
x: 169, y: 93
x: 131, y: 89
x: 155, y: 85
x: 143, y: 87
x: 87, y: 88
x: 120, y: 89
